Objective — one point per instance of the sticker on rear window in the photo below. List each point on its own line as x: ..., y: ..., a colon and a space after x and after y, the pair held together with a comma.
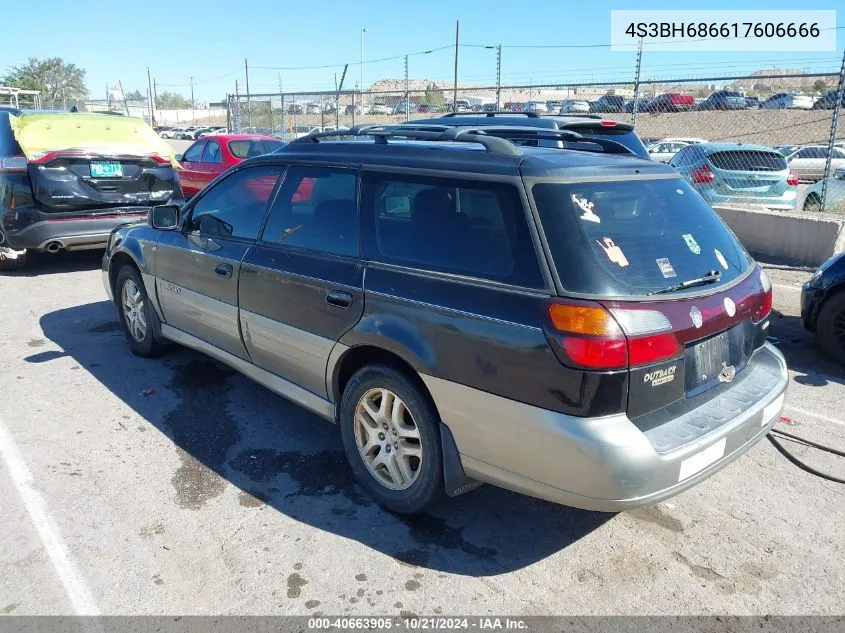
x: 721, y: 258
x: 691, y: 243
x: 614, y: 253
x: 587, y: 207
x: 665, y: 267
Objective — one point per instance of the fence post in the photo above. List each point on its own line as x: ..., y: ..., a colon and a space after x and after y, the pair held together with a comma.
x: 282, y: 124
x: 353, y: 108
x: 637, y: 84
x: 834, y: 123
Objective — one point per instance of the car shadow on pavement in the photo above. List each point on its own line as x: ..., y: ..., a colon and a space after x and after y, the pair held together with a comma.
x: 803, y: 353
x: 225, y: 427
x: 39, y: 264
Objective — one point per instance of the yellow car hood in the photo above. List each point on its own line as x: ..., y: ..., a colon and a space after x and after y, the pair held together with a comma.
x: 111, y: 135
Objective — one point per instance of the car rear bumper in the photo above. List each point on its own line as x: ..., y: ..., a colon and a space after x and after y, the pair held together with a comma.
x: 784, y: 202
x: 609, y: 464
x: 69, y: 234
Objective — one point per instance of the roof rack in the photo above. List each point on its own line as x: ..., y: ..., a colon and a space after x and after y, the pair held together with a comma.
x: 530, y: 115
x: 495, y: 139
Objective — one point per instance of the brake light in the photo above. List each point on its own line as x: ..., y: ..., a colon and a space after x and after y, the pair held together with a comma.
x: 13, y: 165
x: 161, y: 160
x: 792, y: 179
x: 702, y: 175
x: 766, y: 305
x: 590, y: 336
x: 608, y: 123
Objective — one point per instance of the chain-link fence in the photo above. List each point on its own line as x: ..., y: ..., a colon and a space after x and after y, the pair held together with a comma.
x: 765, y: 140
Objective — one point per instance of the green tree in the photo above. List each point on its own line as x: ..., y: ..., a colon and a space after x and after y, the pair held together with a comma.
x: 820, y: 85
x: 171, y: 101
x: 56, y: 79
x: 135, y: 95
x: 434, y: 95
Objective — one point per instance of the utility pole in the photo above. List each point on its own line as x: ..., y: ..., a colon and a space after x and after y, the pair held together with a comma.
x: 248, y: 109
x: 637, y: 84
x: 457, y: 44
x: 407, y: 92
x: 150, y: 93
x: 361, y: 67
x: 832, y: 140
x: 155, y: 93
x: 236, y: 119
x: 337, y: 99
x: 499, y: 77
x: 193, y: 112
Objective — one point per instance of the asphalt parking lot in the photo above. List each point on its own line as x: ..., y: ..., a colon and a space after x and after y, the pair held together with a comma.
x: 176, y: 486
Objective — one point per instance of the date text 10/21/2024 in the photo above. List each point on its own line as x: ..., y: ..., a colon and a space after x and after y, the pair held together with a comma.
x: 415, y: 623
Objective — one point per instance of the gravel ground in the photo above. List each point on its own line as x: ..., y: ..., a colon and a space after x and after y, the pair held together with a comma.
x: 175, y: 486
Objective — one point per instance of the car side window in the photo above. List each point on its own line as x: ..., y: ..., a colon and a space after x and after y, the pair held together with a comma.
x: 194, y: 152
x: 235, y: 206
x: 212, y: 153
x: 317, y: 209
x: 456, y: 226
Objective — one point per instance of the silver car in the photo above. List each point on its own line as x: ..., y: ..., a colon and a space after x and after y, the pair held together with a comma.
x: 809, y: 162
x: 785, y: 100
x: 575, y: 105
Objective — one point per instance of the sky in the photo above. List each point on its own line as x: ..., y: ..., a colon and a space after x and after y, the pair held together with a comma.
x: 209, y: 40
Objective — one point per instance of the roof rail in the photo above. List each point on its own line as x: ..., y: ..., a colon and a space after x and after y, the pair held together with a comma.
x: 495, y: 139
x: 530, y: 115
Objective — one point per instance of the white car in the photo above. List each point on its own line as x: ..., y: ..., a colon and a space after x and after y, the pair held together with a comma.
x: 810, y: 198
x: 689, y: 140
x: 213, y: 131
x: 575, y: 105
x: 809, y: 162
x: 663, y: 151
x: 174, y: 132
x: 784, y: 101
x: 379, y: 108
x: 536, y: 106
x: 312, y: 108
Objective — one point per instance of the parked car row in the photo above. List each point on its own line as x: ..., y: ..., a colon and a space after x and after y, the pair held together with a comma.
x: 190, y: 133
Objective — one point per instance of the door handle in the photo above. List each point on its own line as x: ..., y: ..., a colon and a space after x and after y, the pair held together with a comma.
x: 223, y: 270
x: 339, y: 298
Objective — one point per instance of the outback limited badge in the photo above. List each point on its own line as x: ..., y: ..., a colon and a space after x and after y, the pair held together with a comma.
x: 660, y: 376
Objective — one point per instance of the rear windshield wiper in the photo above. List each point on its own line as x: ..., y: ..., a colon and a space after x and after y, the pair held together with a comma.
x: 711, y: 277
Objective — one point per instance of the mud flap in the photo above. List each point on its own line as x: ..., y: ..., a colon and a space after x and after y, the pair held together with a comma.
x: 454, y: 478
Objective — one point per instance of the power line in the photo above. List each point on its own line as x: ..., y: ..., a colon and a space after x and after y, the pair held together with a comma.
x: 370, y: 61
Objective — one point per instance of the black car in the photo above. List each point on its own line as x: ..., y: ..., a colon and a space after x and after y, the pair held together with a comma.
x: 752, y: 102
x: 823, y: 306
x: 587, y: 125
x: 577, y: 325
x: 828, y: 101
x: 608, y: 104
x: 58, y: 199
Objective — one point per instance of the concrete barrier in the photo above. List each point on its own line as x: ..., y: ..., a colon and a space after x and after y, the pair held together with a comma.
x: 807, y: 239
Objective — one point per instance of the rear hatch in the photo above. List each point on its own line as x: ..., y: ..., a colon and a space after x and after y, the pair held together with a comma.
x: 749, y: 172
x: 81, y: 162
x: 664, y: 288
x: 610, y: 130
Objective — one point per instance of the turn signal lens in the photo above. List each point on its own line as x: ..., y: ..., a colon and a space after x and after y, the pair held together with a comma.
x: 577, y: 319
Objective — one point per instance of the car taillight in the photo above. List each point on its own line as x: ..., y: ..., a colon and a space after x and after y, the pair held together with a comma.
x: 13, y: 165
x: 702, y: 175
x: 594, y: 337
x: 608, y: 123
x: 161, y: 160
x: 792, y: 179
x: 766, y: 305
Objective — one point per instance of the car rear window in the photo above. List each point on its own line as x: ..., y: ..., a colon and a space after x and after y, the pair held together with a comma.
x: 634, y: 237
x: 748, y: 160
x: 248, y: 149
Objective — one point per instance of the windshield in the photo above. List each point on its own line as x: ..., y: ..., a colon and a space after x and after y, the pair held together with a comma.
x: 635, y: 237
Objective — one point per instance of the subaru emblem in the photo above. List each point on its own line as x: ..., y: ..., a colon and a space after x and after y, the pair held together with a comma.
x: 730, y: 306
x: 695, y: 315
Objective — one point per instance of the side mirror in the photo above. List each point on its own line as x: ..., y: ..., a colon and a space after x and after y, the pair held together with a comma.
x: 164, y: 217
x: 179, y: 157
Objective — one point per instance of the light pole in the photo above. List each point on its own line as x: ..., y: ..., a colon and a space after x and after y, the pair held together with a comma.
x: 361, y: 82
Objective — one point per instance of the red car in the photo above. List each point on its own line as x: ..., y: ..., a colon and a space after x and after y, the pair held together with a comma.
x: 210, y: 156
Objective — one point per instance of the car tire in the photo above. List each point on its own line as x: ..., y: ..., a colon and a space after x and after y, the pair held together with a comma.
x: 9, y: 264
x: 367, y: 390
x: 812, y: 203
x: 141, y: 327
x: 830, y: 327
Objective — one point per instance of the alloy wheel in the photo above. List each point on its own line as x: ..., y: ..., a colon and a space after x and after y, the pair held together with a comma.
x: 133, y: 310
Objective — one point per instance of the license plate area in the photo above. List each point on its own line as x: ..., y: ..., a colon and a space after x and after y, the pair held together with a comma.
x: 717, y: 359
x: 106, y: 169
